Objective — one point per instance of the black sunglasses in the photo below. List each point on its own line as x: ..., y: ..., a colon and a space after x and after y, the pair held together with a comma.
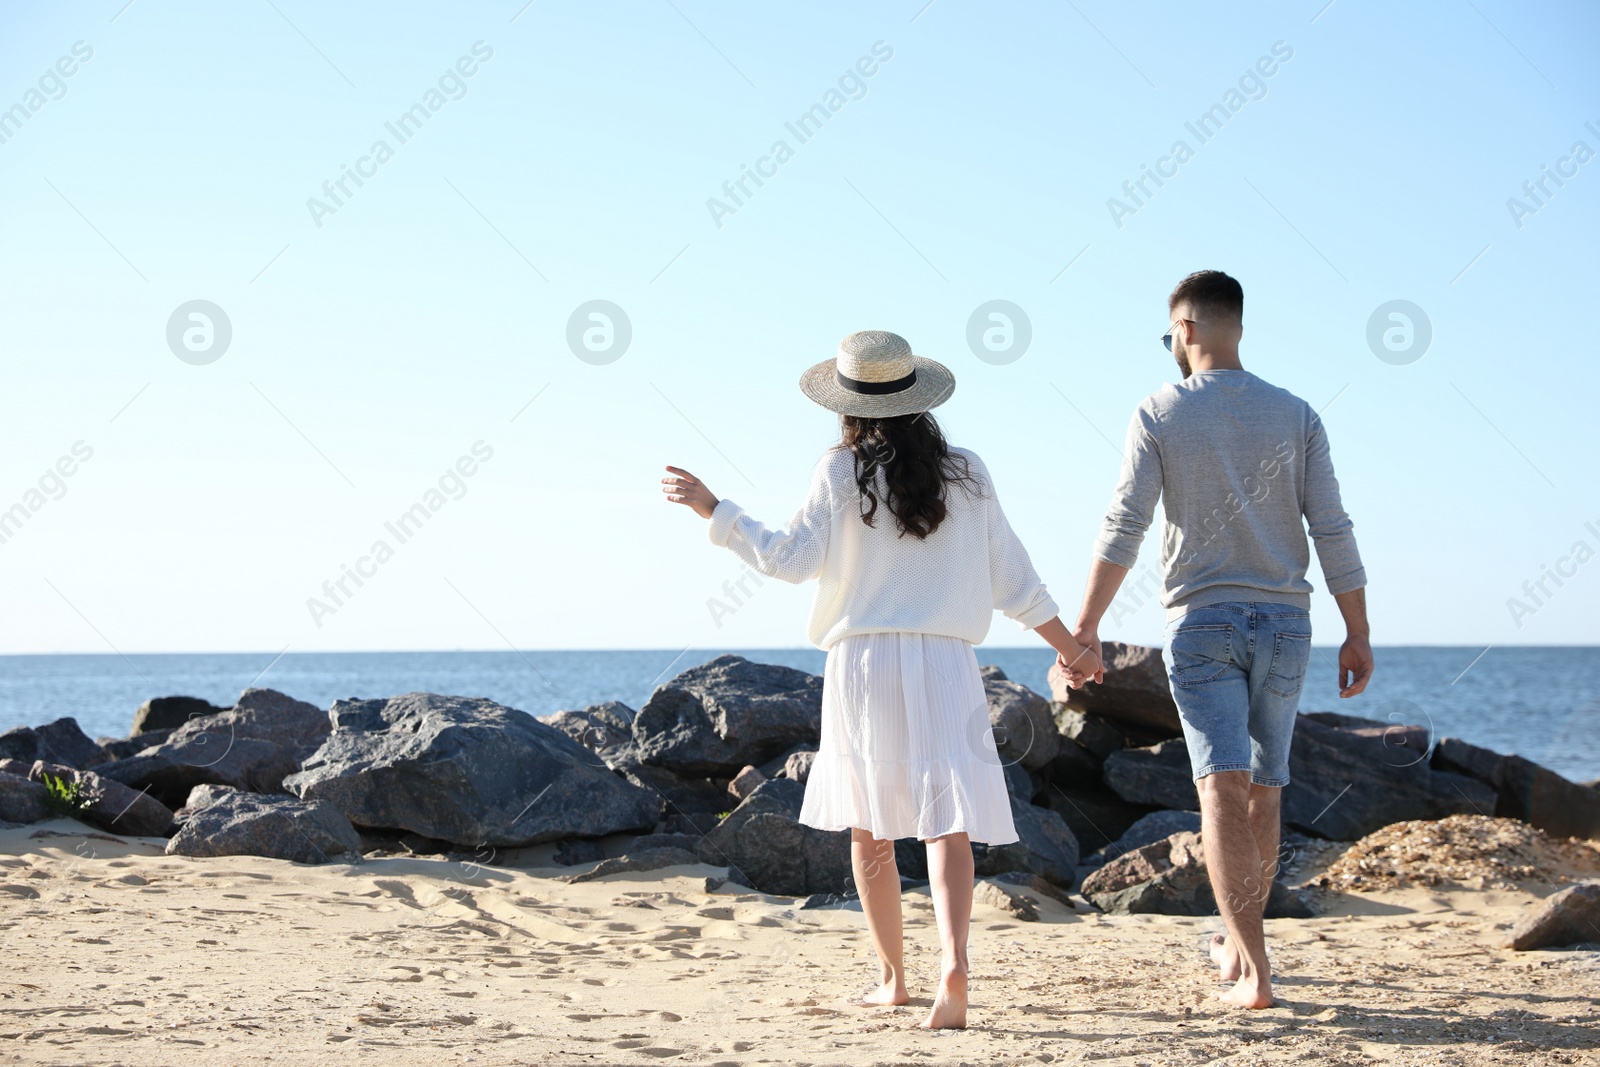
x: 1166, y: 338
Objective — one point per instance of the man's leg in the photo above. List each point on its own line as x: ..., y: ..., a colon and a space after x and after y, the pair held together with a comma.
x: 1235, y: 863
x: 878, y: 883
x: 1266, y: 824
x: 1208, y: 657
x: 1277, y: 672
x: 1266, y: 827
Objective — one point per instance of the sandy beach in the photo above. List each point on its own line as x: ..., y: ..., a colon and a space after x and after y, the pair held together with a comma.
x: 120, y: 954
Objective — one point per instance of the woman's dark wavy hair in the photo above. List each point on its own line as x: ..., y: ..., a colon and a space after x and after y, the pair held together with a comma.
x: 916, y: 462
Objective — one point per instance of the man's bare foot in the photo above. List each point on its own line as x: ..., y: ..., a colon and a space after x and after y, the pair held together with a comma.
x: 1248, y: 993
x: 950, y: 1003
x: 1226, y: 959
x: 891, y: 993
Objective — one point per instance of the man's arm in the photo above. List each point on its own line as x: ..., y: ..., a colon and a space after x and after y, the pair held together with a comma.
x: 1133, y: 506
x: 1330, y: 527
x: 1105, y: 579
x: 1331, y: 531
x: 1355, y: 655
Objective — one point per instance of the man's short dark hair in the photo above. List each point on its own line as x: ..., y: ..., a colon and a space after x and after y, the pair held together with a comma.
x: 1211, y: 294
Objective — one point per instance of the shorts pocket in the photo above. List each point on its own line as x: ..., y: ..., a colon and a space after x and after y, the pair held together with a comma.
x: 1201, y: 653
x: 1291, y: 652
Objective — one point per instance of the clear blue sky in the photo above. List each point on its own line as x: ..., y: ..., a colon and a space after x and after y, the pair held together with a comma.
x: 371, y: 352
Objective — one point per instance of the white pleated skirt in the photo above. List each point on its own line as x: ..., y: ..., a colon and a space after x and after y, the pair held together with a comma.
x: 906, y: 747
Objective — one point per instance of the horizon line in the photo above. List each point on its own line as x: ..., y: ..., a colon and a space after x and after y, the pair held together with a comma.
x: 658, y: 648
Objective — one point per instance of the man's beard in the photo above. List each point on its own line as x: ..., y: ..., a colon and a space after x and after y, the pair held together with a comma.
x: 1183, y: 362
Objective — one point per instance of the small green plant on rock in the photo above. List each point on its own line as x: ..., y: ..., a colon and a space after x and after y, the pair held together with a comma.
x: 65, y: 797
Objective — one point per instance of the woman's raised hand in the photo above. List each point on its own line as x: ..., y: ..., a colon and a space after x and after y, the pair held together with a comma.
x: 684, y: 488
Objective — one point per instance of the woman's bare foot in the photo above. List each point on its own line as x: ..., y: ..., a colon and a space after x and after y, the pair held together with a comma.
x: 1248, y: 993
x: 1226, y: 959
x: 950, y: 1003
x: 891, y: 993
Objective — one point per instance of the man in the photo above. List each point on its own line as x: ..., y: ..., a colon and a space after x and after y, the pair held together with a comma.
x: 1237, y: 464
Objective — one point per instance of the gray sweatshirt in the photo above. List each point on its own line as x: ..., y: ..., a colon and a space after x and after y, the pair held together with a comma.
x: 1237, y: 463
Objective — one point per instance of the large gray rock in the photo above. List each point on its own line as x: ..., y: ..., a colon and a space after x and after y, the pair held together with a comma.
x: 1524, y: 790
x: 1047, y: 846
x: 1342, y: 721
x: 1024, y: 731
x: 768, y: 848
x: 1074, y: 767
x: 1019, y: 783
x: 1345, y: 781
x: 1157, y: 826
x: 168, y: 713
x: 114, y: 806
x: 1096, y: 816
x: 1456, y: 794
x: 599, y: 727
x: 250, y: 746
x: 279, y: 827
x: 122, y: 747
x: 466, y: 770
x: 1135, y: 693
x: 1569, y: 917
x: 201, y: 796
x: 22, y: 801
x: 1158, y: 776
x: 60, y: 742
x: 1091, y: 733
x: 680, y: 795
x: 712, y: 720
x: 1402, y: 745
x: 1169, y: 877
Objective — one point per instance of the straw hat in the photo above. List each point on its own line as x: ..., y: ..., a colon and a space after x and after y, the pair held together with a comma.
x: 875, y: 375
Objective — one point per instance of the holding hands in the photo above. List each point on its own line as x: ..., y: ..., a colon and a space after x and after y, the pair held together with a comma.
x: 1077, y: 654
x: 1085, y: 665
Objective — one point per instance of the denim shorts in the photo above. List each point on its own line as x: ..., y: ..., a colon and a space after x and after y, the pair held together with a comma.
x: 1236, y: 670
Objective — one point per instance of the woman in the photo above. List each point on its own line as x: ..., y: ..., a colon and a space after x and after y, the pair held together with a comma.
x: 912, y: 555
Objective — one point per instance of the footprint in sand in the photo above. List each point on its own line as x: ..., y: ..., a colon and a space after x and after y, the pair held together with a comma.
x: 413, y: 974
x: 640, y: 1043
x: 396, y: 889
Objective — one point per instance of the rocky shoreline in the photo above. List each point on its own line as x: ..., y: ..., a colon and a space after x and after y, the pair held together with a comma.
x: 711, y: 770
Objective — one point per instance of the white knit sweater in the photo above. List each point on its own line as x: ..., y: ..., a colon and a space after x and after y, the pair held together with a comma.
x: 873, y: 581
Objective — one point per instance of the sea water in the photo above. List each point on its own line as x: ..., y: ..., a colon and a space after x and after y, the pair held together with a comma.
x: 1542, y: 703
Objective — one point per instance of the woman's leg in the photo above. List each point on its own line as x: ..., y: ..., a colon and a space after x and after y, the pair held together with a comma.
x: 950, y: 878
x: 878, y: 883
